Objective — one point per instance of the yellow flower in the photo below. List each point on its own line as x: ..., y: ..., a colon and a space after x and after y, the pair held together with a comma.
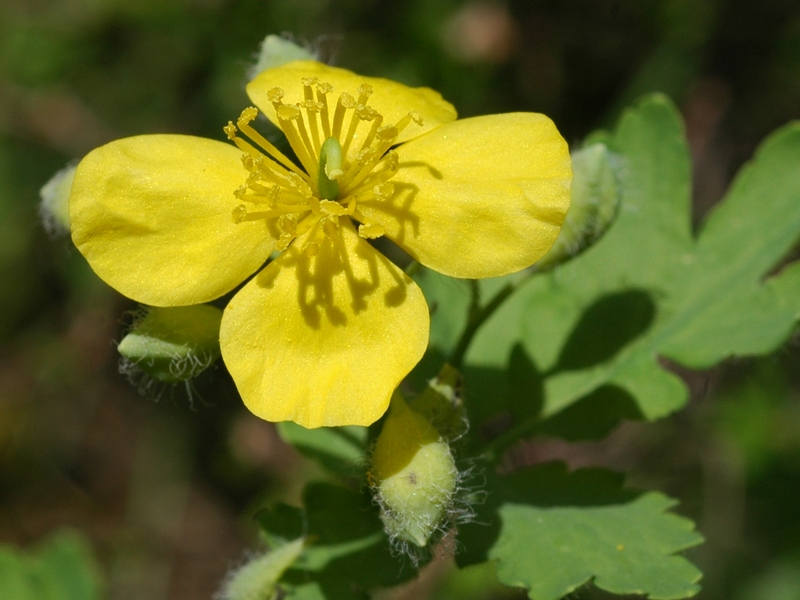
x: 325, y: 332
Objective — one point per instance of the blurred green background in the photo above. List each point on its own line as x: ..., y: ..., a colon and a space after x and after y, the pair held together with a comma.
x: 164, y: 484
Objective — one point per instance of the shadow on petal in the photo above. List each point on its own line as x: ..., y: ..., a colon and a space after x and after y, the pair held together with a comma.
x: 339, y: 281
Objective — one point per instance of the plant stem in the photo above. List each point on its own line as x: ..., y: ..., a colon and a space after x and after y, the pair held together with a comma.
x: 493, y: 450
x: 412, y: 268
x: 477, y: 317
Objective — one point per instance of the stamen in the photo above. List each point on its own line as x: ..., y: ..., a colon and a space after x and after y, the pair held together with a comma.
x: 275, y: 96
x: 345, y: 102
x: 306, y: 224
x: 243, y: 123
x: 315, y: 238
x: 376, y: 123
x: 287, y: 225
x: 312, y: 108
x: 331, y: 227
x: 364, y: 160
x: 323, y: 89
x: 239, y: 213
x: 288, y: 116
x: 332, y: 209
x: 361, y: 113
x: 312, y: 150
x: 387, y: 136
x: 370, y: 231
x: 383, y: 171
x: 300, y: 185
x: 309, y: 202
x: 383, y: 191
x: 230, y: 130
x: 262, y: 165
x: 364, y: 92
x: 366, y: 166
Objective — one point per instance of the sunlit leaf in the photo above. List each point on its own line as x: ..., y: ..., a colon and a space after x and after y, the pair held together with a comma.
x: 552, y: 532
x: 650, y: 288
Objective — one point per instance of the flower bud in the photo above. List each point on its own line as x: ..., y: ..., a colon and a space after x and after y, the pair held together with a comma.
x: 257, y: 579
x: 54, y: 206
x: 595, y: 200
x: 442, y: 405
x: 414, y: 476
x: 276, y: 51
x: 174, y: 344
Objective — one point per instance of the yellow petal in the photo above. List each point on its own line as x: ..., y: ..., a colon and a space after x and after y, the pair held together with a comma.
x: 391, y: 99
x: 324, y: 340
x: 480, y: 197
x: 153, y: 216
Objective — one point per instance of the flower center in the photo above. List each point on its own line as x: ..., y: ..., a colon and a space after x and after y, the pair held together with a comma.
x: 336, y: 173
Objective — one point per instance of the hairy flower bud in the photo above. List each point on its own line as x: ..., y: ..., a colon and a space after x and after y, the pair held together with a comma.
x: 54, y: 206
x: 258, y: 578
x: 174, y: 344
x: 414, y: 476
x: 595, y: 201
x: 276, y: 51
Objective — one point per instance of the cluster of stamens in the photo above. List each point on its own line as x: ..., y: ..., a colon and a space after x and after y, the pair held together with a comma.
x: 334, y: 176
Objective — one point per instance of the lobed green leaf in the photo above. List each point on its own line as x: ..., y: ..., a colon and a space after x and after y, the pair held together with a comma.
x: 650, y: 289
x: 552, y: 532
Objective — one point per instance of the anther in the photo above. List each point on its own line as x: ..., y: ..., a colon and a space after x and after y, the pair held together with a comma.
x: 322, y: 90
x: 288, y: 112
x: 248, y: 114
x: 383, y: 191
x: 311, y: 105
x: 388, y: 134
x: 366, y: 112
x: 330, y: 208
x: 291, y: 122
x: 370, y: 231
x: 275, y: 95
x: 376, y: 125
x: 239, y: 213
x: 386, y: 137
x: 364, y: 92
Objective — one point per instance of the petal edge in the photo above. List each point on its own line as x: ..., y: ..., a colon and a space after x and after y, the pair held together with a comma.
x: 153, y: 216
x: 480, y: 197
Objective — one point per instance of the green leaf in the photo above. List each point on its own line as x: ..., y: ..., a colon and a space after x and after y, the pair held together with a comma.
x: 62, y: 568
x: 346, y: 554
x: 552, y: 532
x: 449, y: 301
x: 340, y: 450
x: 650, y: 288
x: 15, y: 577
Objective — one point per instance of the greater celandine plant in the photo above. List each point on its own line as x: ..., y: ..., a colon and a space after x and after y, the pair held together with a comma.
x: 558, y: 331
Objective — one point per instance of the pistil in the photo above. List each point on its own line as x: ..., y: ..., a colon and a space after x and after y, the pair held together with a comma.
x: 330, y: 169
